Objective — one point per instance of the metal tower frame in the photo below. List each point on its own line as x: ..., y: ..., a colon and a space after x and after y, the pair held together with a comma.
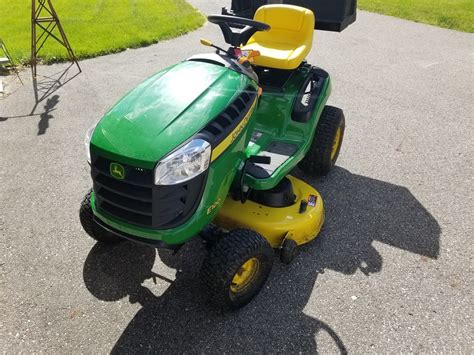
x: 45, y: 19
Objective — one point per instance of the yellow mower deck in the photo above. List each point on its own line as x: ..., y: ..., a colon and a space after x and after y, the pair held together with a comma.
x: 277, y: 224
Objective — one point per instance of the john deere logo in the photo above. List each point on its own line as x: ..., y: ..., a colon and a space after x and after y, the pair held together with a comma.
x: 117, y: 171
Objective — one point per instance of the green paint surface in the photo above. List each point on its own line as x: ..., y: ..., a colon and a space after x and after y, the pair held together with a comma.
x: 273, y: 121
x: 165, y: 111
x: 221, y: 175
x: 174, y: 105
x: 160, y: 115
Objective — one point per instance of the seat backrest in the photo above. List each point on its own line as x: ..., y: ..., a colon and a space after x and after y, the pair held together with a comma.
x: 293, y: 25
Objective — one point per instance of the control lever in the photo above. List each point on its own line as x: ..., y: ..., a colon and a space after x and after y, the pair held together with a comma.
x: 207, y: 43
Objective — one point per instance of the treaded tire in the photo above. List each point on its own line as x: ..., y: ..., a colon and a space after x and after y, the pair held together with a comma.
x: 317, y: 161
x: 86, y: 216
x: 211, y: 235
x: 225, y: 258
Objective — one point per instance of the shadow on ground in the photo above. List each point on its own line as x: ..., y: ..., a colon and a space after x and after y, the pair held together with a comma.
x: 43, y: 88
x: 45, y: 116
x: 46, y: 85
x: 49, y: 107
x: 360, y: 211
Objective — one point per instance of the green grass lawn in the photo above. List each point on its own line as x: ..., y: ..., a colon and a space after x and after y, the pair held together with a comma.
x: 96, y: 27
x: 453, y: 14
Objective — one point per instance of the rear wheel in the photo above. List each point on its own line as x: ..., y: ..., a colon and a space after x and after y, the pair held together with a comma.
x: 86, y: 216
x: 236, y: 268
x: 327, y: 142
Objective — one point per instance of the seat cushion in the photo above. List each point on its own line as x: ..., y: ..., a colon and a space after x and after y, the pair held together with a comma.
x: 289, y: 40
x: 279, y: 55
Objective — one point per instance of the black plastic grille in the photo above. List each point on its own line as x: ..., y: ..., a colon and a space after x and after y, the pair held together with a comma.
x: 220, y: 127
x: 137, y: 200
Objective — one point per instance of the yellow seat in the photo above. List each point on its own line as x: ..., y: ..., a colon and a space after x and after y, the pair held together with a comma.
x: 289, y: 40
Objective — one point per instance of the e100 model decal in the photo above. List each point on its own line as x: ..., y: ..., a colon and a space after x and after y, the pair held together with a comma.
x: 213, y: 206
x: 233, y: 135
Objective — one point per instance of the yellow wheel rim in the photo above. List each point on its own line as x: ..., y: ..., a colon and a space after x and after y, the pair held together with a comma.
x: 245, y: 275
x: 336, y: 143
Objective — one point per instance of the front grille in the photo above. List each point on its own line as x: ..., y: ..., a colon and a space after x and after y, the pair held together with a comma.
x: 137, y: 200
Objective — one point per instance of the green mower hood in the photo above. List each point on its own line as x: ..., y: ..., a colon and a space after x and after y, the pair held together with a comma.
x: 165, y: 111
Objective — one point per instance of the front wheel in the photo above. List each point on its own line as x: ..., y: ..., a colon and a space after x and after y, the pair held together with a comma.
x: 236, y: 268
x: 327, y: 143
x: 86, y: 216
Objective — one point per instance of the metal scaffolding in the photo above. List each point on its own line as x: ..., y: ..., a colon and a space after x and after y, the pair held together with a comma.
x: 44, y: 21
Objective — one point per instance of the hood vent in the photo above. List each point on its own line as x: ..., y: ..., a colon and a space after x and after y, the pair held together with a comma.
x: 219, y: 128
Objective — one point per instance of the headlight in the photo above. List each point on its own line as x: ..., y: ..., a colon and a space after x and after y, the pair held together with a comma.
x: 87, y: 142
x: 184, y: 164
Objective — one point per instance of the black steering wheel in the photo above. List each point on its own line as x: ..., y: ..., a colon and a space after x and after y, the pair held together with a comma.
x: 237, y: 30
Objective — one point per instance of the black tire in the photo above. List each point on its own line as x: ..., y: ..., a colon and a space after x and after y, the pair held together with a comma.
x: 289, y: 251
x: 226, y: 259
x: 86, y: 216
x: 211, y: 235
x: 320, y: 158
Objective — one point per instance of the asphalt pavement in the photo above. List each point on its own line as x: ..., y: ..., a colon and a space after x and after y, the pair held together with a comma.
x: 391, y: 272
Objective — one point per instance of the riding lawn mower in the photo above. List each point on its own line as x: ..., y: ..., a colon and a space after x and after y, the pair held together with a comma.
x: 205, y: 148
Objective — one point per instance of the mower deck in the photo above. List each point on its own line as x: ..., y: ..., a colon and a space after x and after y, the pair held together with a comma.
x: 276, y: 224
